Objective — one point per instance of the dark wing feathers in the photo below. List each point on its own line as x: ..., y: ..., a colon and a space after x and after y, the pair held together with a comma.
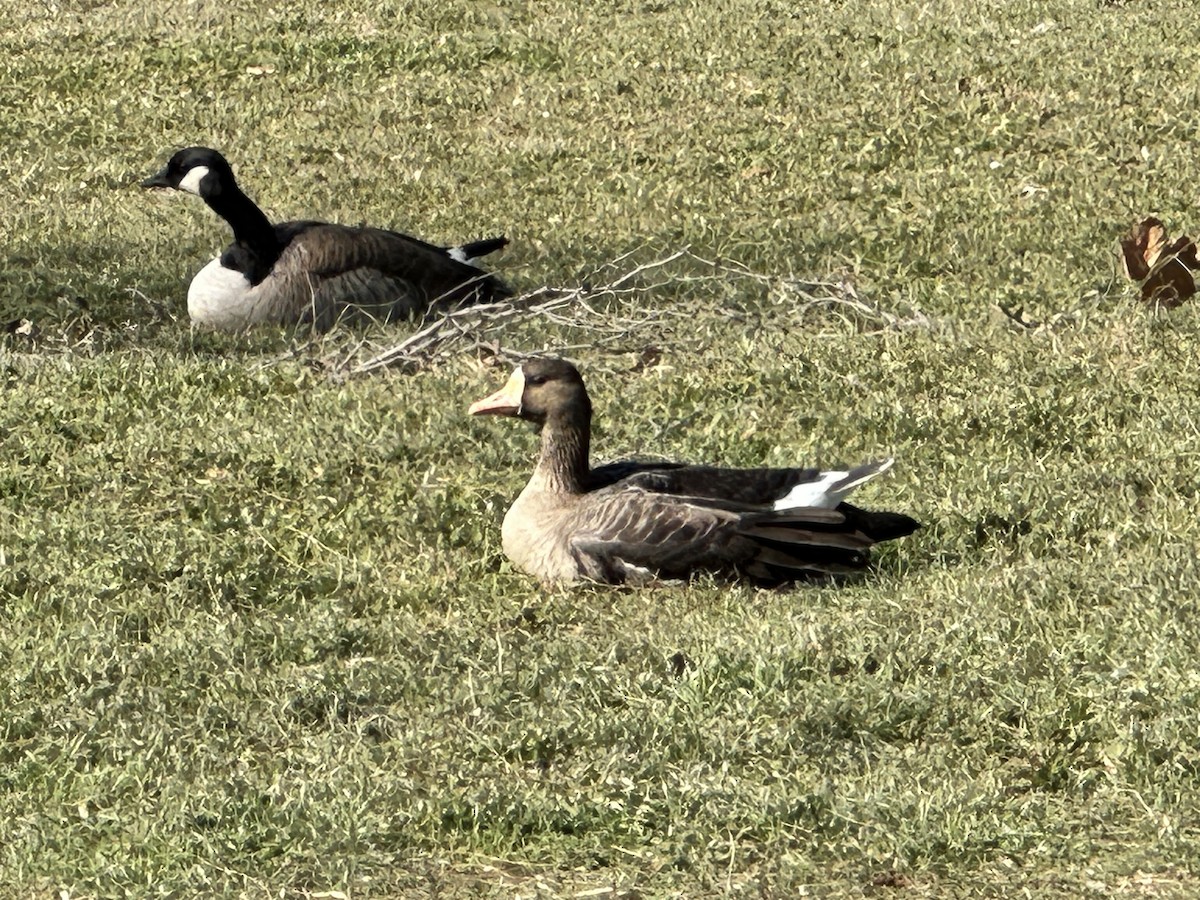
x: 333, y: 249
x: 752, y: 487
x: 808, y: 541
x: 783, y: 565
x: 358, y: 295
x: 629, y: 469
x: 670, y: 536
x: 796, y: 533
x: 326, y: 272
x: 630, y: 525
x: 286, y: 232
x: 806, y: 516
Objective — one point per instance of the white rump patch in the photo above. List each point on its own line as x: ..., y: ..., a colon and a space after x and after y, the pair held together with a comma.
x: 831, y: 488
x: 191, y: 181
x: 459, y: 255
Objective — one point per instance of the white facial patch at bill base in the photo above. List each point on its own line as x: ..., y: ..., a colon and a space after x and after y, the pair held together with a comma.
x: 514, y: 389
x: 191, y: 181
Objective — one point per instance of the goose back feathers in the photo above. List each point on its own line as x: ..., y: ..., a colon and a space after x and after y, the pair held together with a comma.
x: 634, y: 520
x: 313, y: 272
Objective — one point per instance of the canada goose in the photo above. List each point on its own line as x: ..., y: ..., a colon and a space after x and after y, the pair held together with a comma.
x: 631, y: 520
x: 315, y: 272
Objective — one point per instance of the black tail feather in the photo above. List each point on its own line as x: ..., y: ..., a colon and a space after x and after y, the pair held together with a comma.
x: 483, y: 247
x: 878, y: 526
x: 811, y: 552
x: 806, y: 543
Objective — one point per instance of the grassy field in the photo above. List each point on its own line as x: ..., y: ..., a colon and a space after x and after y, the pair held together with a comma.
x: 257, y: 637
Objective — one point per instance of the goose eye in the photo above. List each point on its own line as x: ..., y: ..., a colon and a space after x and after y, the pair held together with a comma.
x: 536, y: 379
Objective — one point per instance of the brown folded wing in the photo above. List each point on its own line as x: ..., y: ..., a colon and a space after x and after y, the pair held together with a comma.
x: 623, y: 530
x: 329, y: 272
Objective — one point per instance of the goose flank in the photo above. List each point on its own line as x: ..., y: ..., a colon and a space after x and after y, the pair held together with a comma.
x: 634, y: 520
x: 311, y: 272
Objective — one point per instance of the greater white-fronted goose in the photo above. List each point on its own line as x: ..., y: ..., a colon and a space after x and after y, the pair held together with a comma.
x: 315, y: 272
x: 633, y: 520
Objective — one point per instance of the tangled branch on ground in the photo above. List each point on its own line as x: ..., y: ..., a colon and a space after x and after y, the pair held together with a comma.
x: 619, y: 305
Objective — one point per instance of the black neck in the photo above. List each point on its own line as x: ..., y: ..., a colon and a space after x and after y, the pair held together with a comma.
x: 251, y: 228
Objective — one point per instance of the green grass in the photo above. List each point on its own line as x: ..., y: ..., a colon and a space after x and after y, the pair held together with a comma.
x: 257, y: 636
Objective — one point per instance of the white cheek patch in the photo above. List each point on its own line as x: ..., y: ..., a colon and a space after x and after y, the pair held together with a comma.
x: 191, y: 181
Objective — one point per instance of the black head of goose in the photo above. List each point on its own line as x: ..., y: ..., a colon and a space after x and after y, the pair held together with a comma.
x: 315, y: 272
x: 634, y: 520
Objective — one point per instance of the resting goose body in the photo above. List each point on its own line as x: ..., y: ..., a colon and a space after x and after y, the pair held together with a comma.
x: 634, y: 520
x: 315, y: 272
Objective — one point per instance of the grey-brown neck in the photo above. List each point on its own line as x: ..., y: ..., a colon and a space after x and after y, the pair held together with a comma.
x: 563, y: 467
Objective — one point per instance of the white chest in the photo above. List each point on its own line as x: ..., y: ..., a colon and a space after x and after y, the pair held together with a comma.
x: 223, y: 298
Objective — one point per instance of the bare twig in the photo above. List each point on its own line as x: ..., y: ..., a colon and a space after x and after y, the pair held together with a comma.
x: 471, y: 326
x: 617, y: 308
x: 1017, y: 315
x: 1063, y: 318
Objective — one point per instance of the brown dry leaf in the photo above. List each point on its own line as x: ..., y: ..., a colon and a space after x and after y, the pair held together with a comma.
x: 1171, y: 280
x: 1165, y: 270
x: 265, y: 69
x: 1141, y: 248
